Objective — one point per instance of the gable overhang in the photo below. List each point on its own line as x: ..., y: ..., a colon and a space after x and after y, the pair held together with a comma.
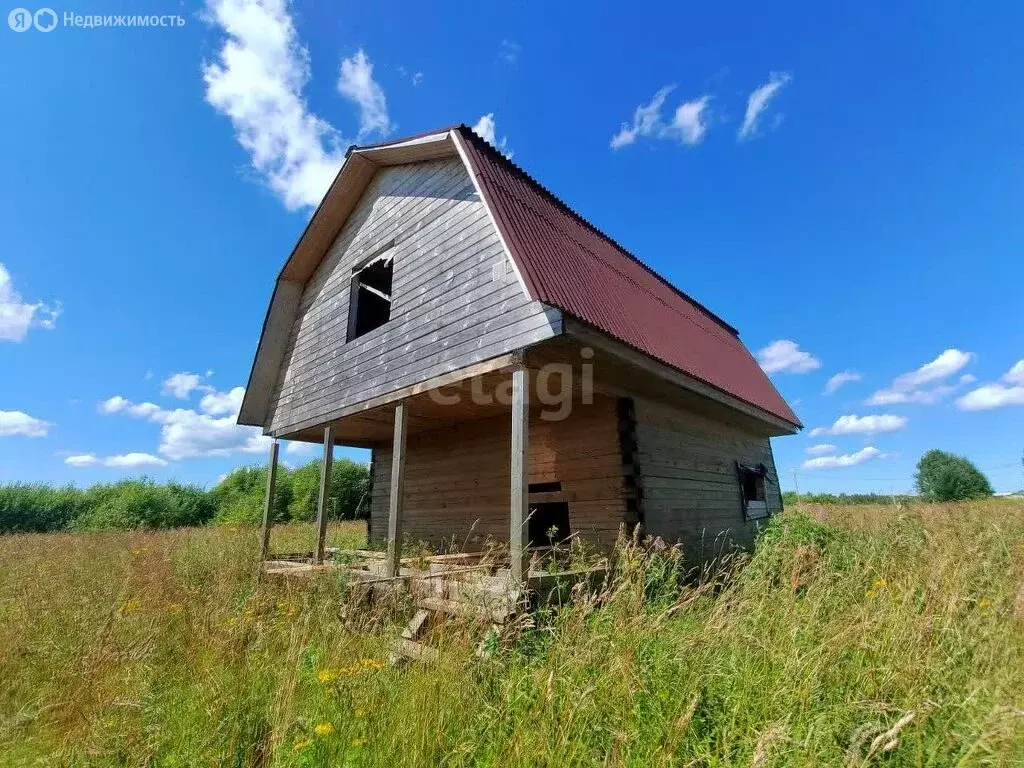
x: 327, y: 221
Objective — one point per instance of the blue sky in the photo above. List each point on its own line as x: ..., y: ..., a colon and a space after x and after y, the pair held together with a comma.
x: 847, y: 183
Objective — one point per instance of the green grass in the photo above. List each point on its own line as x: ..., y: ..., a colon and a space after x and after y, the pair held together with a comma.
x: 165, y: 649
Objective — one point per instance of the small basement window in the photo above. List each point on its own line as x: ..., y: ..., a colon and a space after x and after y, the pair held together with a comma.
x: 752, y: 489
x: 549, y: 523
x: 370, y: 301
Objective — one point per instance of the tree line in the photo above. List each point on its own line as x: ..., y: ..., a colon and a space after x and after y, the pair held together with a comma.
x: 144, y: 503
x: 940, y: 476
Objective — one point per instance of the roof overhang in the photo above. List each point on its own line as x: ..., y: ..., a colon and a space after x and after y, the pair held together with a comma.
x: 596, y: 338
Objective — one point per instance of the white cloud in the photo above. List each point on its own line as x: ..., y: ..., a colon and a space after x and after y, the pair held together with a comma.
x: 846, y: 460
x: 20, y: 423
x: 862, y: 425
x: 646, y: 119
x: 996, y: 395
x: 485, y: 128
x: 784, y: 356
x: 689, y: 123
x: 118, y: 404
x: 509, y: 51
x: 220, y: 403
x: 821, y: 448
x: 1016, y: 374
x: 991, y: 396
x: 296, y: 448
x: 845, y: 377
x: 257, y: 82
x: 18, y: 315
x: 946, y: 364
x: 82, y: 460
x: 127, y: 460
x: 181, y: 385
x: 914, y: 387
x: 186, y: 433
x: 356, y: 83
x: 417, y: 78
x: 758, y: 101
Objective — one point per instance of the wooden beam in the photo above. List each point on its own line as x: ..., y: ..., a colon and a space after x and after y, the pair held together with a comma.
x: 397, y: 491
x: 323, y: 505
x: 520, y: 488
x: 268, y: 502
x: 499, y: 363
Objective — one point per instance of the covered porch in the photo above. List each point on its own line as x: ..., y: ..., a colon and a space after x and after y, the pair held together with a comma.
x: 438, y: 419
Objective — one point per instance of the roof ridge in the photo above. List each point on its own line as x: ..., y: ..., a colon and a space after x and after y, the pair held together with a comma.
x: 471, y: 135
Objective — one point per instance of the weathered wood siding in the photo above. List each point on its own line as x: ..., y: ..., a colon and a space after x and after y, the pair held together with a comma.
x: 691, y: 490
x: 456, y: 300
x: 457, y: 480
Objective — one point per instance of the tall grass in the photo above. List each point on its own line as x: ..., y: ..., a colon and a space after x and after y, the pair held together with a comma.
x: 854, y: 635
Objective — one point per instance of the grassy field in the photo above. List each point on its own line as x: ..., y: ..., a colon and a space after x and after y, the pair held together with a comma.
x: 854, y: 636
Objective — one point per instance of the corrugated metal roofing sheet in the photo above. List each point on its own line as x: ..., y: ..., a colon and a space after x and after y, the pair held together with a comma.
x: 570, y: 264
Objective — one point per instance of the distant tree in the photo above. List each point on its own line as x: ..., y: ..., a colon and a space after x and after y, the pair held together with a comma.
x: 239, y: 496
x: 349, y: 481
x: 944, y: 476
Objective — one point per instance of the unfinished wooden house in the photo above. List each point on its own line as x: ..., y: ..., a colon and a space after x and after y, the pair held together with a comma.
x: 518, y: 374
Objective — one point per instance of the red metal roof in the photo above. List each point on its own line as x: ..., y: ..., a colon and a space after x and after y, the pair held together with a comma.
x: 570, y: 264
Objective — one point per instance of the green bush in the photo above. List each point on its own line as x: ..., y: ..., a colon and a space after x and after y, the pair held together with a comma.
x: 944, y: 476
x: 349, y: 481
x: 131, y: 504
x: 38, y: 508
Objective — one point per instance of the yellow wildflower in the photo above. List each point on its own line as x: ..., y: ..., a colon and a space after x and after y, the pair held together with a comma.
x: 880, y: 584
x: 131, y: 605
x: 360, y: 713
x: 323, y: 729
x: 326, y: 676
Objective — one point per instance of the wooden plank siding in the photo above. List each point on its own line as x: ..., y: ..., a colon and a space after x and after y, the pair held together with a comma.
x: 690, y: 485
x: 456, y: 299
x: 457, y: 478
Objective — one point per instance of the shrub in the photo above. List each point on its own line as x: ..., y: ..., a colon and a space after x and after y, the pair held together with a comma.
x: 349, y: 481
x: 26, y: 508
x: 142, y: 503
x: 943, y: 476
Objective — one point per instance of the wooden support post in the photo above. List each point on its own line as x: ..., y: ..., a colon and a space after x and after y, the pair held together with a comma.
x: 323, y: 506
x: 268, y: 502
x: 397, y: 492
x: 520, y: 452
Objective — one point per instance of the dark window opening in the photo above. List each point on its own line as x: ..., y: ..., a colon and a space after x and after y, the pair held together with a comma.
x: 752, y: 488
x: 549, y: 523
x: 545, y: 487
x: 370, y: 303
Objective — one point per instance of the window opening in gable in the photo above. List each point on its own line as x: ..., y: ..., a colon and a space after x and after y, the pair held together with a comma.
x: 370, y: 301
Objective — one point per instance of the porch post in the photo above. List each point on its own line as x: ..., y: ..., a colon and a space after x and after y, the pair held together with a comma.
x: 520, y: 449
x: 324, y: 501
x: 268, y: 503
x: 397, y: 492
